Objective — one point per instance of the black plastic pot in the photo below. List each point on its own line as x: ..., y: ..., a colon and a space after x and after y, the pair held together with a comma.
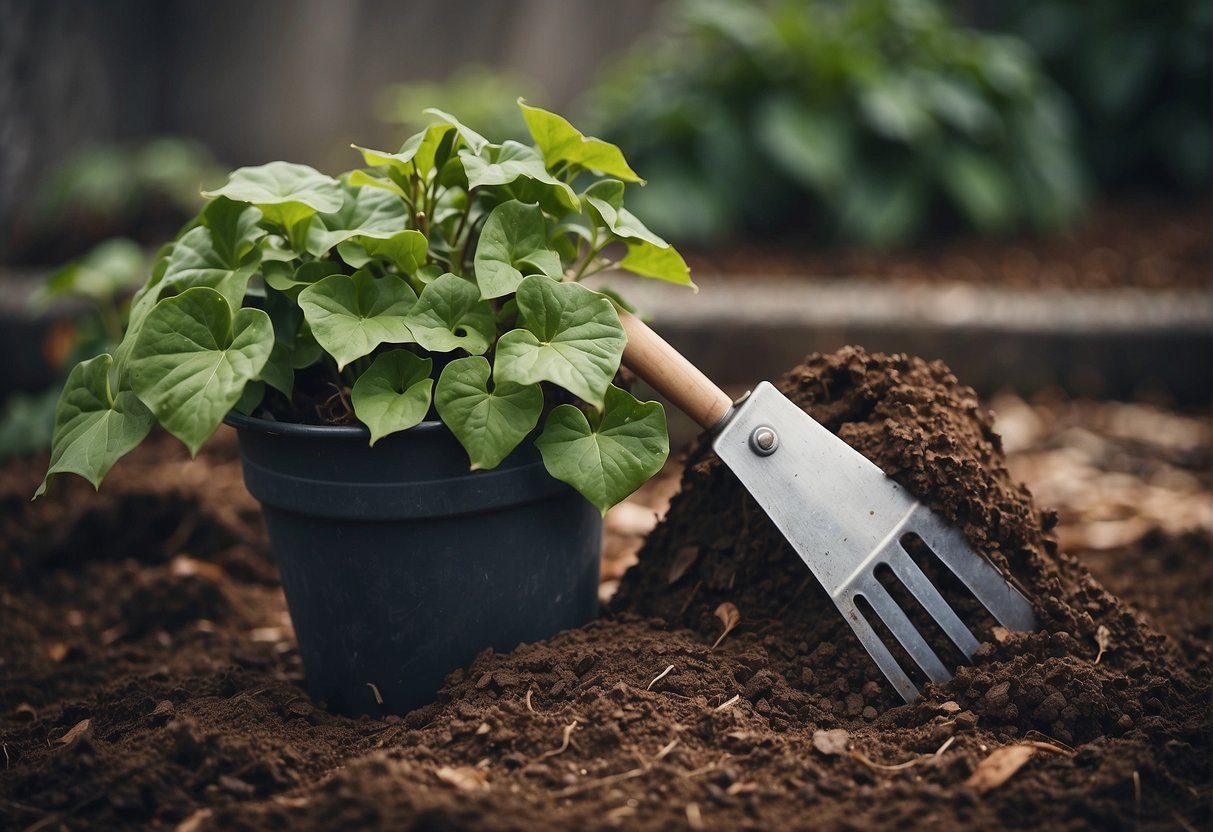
x: 400, y: 565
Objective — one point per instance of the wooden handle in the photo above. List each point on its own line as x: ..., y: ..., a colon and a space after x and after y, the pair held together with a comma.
x: 663, y: 367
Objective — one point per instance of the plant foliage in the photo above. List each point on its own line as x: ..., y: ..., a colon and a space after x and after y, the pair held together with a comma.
x: 872, y: 120
x: 443, y: 274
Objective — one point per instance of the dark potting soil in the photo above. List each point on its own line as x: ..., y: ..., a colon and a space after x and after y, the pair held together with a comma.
x: 148, y: 676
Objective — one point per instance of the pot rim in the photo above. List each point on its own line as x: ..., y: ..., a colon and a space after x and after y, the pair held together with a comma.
x: 296, y: 429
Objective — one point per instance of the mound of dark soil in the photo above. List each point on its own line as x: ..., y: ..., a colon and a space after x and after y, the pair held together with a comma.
x: 148, y: 676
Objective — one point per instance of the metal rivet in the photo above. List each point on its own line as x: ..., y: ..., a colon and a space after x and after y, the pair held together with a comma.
x: 764, y: 440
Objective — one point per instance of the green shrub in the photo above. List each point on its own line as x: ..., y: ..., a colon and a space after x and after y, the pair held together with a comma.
x: 866, y: 121
x: 1138, y: 74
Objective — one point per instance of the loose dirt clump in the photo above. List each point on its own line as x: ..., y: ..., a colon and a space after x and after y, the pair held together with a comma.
x: 152, y: 681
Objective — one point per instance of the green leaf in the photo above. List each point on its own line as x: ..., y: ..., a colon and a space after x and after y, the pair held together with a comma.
x: 366, y: 213
x: 489, y: 424
x: 282, y: 277
x: 394, y: 393
x: 514, y: 237
x: 93, y: 428
x: 645, y: 259
x: 142, y: 303
x: 350, y: 315
x: 512, y: 160
x: 416, y: 155
x: 450, y: 315
x: 198, y: 259
x: 985, y: 194
x: 109, y: 269
x: 562, y: 142
x: 234, y: 226
x: 811, y: 144
x: 610, y: 457
x: 572, y: 338
x: 406, y: 250
x: 193, y: 359
x: 285, y: 192
x: 471, y: 138
x: 605, y: 199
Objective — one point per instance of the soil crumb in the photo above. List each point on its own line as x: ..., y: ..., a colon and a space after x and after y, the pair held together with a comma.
x: 149, y: 678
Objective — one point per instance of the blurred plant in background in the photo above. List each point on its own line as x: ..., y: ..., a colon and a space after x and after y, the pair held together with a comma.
x: 144, y: 192
x: 866, y: 121
x: 96, y: 290
x: 1138, y: 74
x: 484, y: 96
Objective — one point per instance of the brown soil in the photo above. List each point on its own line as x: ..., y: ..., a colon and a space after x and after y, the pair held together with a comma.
x: 148, y: 676
x: 1146, y: 243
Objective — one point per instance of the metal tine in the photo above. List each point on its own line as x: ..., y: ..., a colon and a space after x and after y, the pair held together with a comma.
x: 903, y: 630
x: 986, y: 583
x: 920, y: 586
x: 877, y: 650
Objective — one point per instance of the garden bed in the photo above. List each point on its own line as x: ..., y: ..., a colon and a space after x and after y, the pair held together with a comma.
x: 150, y: 676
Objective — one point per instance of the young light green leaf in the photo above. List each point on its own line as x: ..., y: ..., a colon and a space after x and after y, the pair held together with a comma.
x: 572, y: 338
x: 507, y: 163
x: 285, y: 192
x: 197, y: 260
x: 417, y: 154
x: 605, y: 199
x: 394, y: 393
x: 94, y: 429
x: 362, y: 179
x: 366, y: 213
x: 471, y: 138
x: 562, y: 142
x: 489, y: 424
x: 141, y: 304
x: 514, y: 237
x: 193, y: 358
x: 645, y: 259
x: 406, y: 250
x: 450, y: 315
x: 234, y: 226
x: 350, y: 315
x: 609, y: 458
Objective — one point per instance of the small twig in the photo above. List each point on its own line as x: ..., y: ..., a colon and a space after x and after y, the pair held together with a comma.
x: 602, y: 781
x: 666, y: 749
x: 728, y: 704
x: 564, y: 744
x: 375, y: 691
x: 529, y: 707
x: 946, y: 745
x: 1183, y: 822
x: 1058, y: 745
x: 694, y: 818
x: 860, y: 757
x: 1136, y: 799
x: 659, y: 677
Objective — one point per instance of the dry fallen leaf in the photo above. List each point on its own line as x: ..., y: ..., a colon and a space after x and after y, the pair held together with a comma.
x: 1103, y: 637
x: 464, y: 778
x: 80, y: 728
x: 730, y: 617
x: 684, y: 558
x: 831, y: 742
x: 999, y: 767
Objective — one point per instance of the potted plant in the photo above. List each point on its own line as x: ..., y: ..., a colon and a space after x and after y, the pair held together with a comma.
x: 417, y: 376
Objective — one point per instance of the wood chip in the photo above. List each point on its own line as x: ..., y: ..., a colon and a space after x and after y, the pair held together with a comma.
x: 1000, y: 767
x: 81, y: 728
x: 684, y: 559
x: 831, y: 742
x: 464, y: 778
x: 730, y: 617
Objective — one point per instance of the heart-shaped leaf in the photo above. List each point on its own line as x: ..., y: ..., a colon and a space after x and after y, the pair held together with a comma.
x: 562, y: 142
x: 663, y: 263
x: 605, y: 200
x: 514, y: 237
x: 197, y: 261
x: 572, y: 338
x: 609, y: 458
x: 366, y: 213
x: 406, y: 250
x: 284, y: 278
x: 234, y: 226
x: 470, y: 137
x: 285, y: 192
x: 488, y: 423
x: 501, y: 165
x: 350, y: 315
x: 450, y: 315
x: 394, y: 393
x: 193, y: 358
x: 93, y: 428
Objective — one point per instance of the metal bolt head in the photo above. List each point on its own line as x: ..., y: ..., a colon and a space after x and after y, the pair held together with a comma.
x: 764, y: 440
